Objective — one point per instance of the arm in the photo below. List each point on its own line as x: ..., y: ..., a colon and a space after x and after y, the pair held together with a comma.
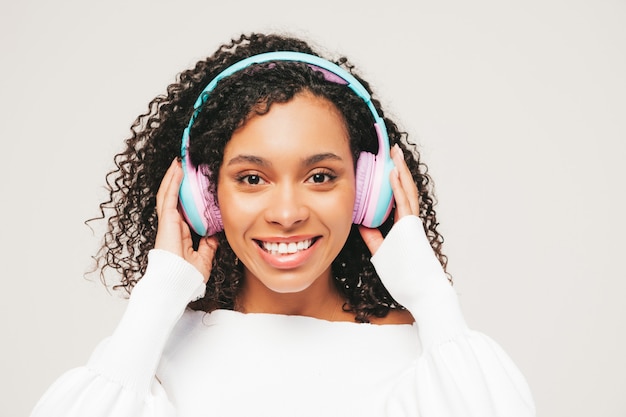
x: 461, y: 372
x: 119, y: 379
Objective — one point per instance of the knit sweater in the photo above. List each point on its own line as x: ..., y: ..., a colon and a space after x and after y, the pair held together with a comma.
x: 166, y: 360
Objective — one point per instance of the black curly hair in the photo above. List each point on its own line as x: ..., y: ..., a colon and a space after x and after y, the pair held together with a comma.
x: 130, y: 210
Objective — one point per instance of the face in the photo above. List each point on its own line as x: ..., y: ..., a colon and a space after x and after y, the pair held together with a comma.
x: 286, y: 191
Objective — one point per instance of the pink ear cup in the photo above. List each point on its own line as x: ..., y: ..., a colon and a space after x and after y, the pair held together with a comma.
x: 363, y: 176
x: 199, y: 206
x: 379, y: 175
x: 211, y: 209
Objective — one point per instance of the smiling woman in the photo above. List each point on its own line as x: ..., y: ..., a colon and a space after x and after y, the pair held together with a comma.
x: 277, y: 235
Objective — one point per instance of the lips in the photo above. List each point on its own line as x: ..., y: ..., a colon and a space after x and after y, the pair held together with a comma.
x: 286, y: 253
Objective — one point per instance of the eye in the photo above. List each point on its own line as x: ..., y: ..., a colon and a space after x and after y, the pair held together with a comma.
x: 321, y: 177
x: 250, y: 179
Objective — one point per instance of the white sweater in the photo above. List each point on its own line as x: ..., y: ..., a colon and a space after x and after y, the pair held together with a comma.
x: 164, y: 360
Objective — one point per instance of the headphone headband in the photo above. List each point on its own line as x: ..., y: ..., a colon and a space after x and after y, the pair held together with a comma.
x: 328, y: 68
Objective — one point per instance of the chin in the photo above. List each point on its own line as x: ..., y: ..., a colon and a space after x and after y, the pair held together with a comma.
x: 287, y: 287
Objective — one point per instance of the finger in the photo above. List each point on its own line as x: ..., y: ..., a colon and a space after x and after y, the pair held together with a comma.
x: 406, y: 179
x: 372, y: 238
x: 208, y: 246
x: 164, y: 186
x: 403, y: 206
x: 170, y: 196
x: 206, y: 253
x: 185, y: 235
x: 172, y: 233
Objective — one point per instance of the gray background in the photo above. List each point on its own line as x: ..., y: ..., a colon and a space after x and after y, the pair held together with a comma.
x: 518, y: 107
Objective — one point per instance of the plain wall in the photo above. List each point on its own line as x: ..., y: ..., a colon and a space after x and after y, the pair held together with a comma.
x: 519, y: 109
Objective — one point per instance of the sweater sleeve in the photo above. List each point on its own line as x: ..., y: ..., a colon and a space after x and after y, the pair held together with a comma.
x: 461, y: 372
x: 119, y: 378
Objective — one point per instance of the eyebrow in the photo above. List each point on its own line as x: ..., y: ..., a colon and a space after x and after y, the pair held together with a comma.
x: 314, y: 159
x: 257, y: 160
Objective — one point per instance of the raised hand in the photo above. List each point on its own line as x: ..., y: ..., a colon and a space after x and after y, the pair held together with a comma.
x: 173, y: 233
x: 405, y: 195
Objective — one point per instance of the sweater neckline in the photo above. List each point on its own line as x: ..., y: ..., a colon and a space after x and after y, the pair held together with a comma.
x: 220, y: 315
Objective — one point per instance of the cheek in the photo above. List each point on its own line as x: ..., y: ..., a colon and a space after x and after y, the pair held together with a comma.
x: 347, y: 205
x: 234, y: 210
x: 236, y: 220
x: 233, y: 214
x: 338, y: 210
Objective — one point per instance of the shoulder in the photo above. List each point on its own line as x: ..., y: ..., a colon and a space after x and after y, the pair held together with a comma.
x: 394, y: 317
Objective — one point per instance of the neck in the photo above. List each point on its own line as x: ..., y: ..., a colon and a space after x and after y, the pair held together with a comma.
x: 320, y: 300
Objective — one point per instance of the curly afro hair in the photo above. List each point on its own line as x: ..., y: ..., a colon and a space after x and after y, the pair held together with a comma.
x: 130, y: 210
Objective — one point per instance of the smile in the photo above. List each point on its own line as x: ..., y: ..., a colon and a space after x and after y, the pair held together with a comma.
x: 285, y: 248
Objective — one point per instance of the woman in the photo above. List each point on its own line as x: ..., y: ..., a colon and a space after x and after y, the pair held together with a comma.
x: 253, y: 291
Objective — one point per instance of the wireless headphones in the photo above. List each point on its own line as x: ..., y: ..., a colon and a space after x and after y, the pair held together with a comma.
x: 374, y: 197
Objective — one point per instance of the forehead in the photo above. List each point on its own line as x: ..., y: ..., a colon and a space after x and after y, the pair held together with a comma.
x: 305, y: 125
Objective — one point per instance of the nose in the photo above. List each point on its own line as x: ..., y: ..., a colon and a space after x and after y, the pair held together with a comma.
x: 287, y: 206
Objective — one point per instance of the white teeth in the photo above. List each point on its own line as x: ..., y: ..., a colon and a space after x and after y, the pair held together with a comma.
x: 285, y: 248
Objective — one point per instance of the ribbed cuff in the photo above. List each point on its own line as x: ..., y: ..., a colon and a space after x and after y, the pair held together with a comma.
x: 171, y: 276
